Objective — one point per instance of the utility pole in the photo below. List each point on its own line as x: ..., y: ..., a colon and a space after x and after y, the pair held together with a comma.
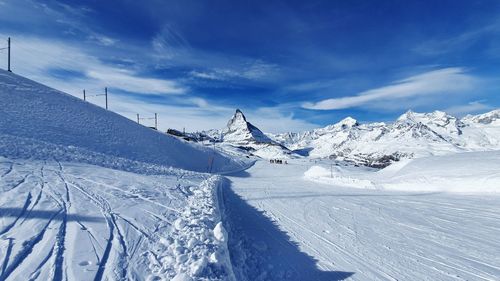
x: 84, y: 96
x: 106, y: 95
x: 331, y: 170
x: 8, y: 55
x: 138, y: 119
x: 156, y: 121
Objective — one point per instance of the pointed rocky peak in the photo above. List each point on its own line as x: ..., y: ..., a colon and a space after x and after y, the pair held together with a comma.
x: 240, y: 130
x: 238, y: 120
x: 239, y: 114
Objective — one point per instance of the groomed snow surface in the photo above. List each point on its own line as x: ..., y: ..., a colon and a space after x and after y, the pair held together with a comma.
x: 285, y: 227
x: 470, y: 172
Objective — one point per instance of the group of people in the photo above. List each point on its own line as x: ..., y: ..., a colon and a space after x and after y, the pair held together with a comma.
x: 277, y: 161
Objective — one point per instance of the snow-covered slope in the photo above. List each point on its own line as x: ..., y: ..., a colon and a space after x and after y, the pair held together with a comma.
x: 411, y: 135
x: 47, y: 123
x: 73, y: 221
x: 325, y: 232
x: 469, y: 172
x: 62, y: 218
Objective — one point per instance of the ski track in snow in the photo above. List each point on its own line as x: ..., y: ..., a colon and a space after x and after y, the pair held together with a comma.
x: 323, y: 232
x: 65, y: 221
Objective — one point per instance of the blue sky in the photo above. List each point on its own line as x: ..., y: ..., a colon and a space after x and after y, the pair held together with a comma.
x: 289, y: 65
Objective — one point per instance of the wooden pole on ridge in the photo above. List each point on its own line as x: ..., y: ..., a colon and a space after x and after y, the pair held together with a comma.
x: 106, y: 95
x: 8, y: 55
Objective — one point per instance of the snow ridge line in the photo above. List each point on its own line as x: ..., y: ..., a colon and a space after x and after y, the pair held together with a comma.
x: 14, y: 147
x: 196, y: 247
x: 223, y: 218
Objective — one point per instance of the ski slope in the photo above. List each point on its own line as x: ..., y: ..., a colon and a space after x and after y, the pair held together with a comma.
x: 86, y: 194
x: 66, y: 221
x: 468, y: 172
x: 283, y: 227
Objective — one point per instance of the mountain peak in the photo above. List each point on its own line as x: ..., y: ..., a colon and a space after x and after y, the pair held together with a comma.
x: 240, y: 130
x: 485, y: 118
x: 407, y: 116
x: 237, y: 121
x: 239, y: 114
x: 348, y: 122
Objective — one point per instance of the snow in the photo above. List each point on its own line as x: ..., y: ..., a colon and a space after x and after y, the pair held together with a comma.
x: 86, y: 194
x: 412, y: 135
x: 85, y: 222
x: 470, y: 172
x: 284, y: 227
x: 335, y: 176
x: 220, y: 233
x: 242, y: 137
x: 238, y: 130
x: 35, y: 115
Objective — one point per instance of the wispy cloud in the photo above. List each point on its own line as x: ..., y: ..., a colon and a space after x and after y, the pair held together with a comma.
x: 197, y: 114
x: 169, y: 44
x: 458, y: 42
x: 35, y: 58
x: 256, y: 70
x: 468, y: 108
x: 435, y: 82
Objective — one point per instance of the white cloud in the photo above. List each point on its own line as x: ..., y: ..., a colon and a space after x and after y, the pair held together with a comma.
x: 198, y: 114
x: 469, y: 108
x: 205, y: 75
x: 433, y: 83
x: 273, y: 120
x: 458, y: 42
x: 34, y: 58
x: 256, y: 70
x: 102, y: 40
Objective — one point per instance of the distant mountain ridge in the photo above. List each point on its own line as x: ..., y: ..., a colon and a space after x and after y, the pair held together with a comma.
x: 411, y: 135
x: 376, y: 144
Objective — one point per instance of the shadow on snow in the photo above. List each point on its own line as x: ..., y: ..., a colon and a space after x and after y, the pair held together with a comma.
x: 259, y: 250
x: 46, y: 214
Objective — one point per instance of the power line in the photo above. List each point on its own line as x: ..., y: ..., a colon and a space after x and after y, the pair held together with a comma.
x: 148, y: 118
x: 85, y: 95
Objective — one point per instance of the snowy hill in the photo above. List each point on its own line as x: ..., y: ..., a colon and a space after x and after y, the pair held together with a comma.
x: 469, y: 172
x: 40, y: 122
x: 411, y: 135
x: 64, y: 215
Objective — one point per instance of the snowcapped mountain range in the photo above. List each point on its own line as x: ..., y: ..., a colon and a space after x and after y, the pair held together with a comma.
x: 411, y: 135
x: 378, y: 144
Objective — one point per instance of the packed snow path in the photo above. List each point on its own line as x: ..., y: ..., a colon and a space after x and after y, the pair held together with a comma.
x: 285, y: 228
